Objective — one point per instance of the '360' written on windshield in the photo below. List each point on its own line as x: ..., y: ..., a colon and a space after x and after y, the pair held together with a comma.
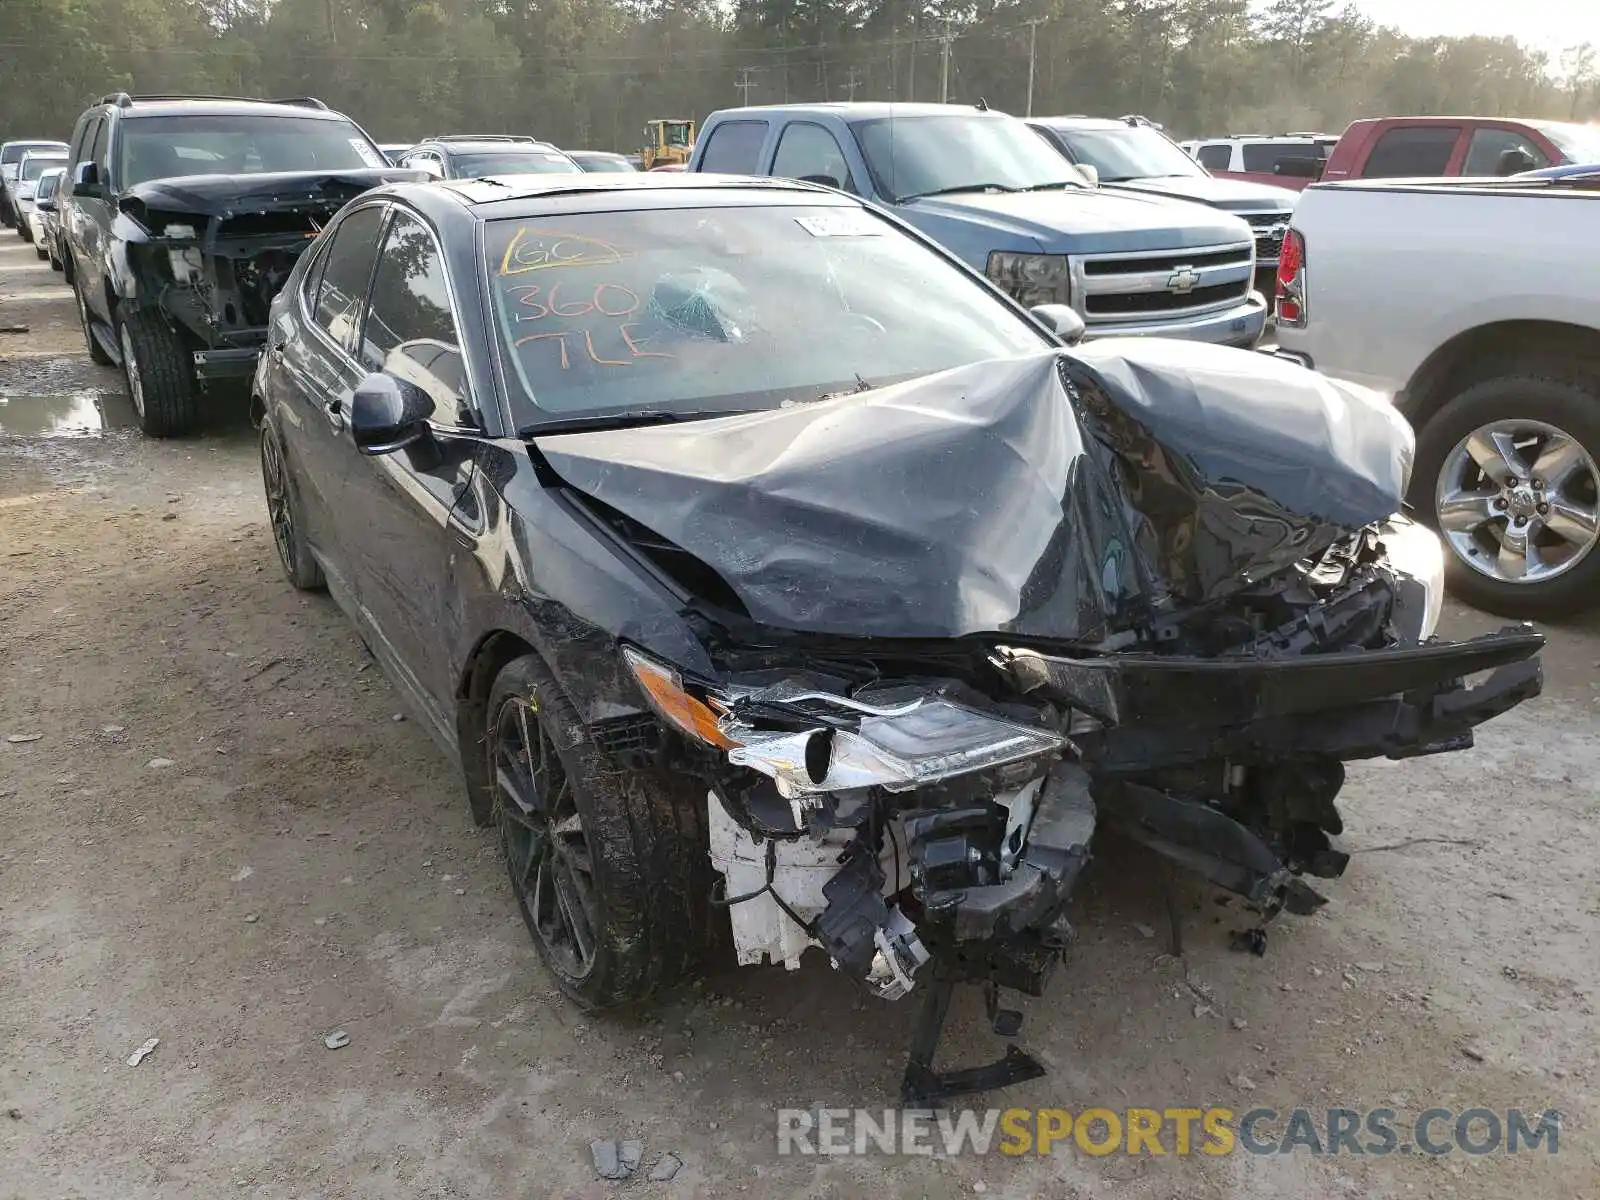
x: 728, y: 308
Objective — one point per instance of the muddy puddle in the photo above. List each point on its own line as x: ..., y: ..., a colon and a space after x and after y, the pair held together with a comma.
x: 86, y: 412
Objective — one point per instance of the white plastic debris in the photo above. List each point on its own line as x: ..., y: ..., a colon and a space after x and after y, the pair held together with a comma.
x: 18, y: 738
x: 160, y: 764
x: 143, y: 1052
x: 337, y: 1040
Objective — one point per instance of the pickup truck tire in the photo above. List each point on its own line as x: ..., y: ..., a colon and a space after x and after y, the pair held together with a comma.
x: 160, y: 374
x: 97, y: 353
x: 609, y: 865
x: 1548, y: 405
x: 41, y: 252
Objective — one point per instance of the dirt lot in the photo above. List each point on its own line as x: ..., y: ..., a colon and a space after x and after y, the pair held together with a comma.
x: 225, y: 835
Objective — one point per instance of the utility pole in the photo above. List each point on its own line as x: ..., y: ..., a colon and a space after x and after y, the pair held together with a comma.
x: 944, y: 64
x: 911, y: 81
x: 744, y: 83
x: 1033, y: 44
x: 852, y: 83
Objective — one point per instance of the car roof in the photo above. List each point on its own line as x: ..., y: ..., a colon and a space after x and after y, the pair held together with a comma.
x: 457, y: 145
x: 46, y: 152
x: 169, y: 107
x: 1080, y: 122
x: 512, y: 195
x: 860, y: 110
x: 593, y: 154
x: 39, y: 143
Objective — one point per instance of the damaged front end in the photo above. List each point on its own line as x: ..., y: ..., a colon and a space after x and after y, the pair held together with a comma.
x: 209, y: 252
x: 1156, y: 588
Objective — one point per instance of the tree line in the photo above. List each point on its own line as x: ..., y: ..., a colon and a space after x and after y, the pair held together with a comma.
x: 589, y: 73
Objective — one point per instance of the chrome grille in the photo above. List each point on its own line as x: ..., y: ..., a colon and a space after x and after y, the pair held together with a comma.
x: 1152, y: 286
x: 1269, y: 228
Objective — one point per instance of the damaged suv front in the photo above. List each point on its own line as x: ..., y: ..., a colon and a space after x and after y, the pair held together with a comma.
x: 185, y: 224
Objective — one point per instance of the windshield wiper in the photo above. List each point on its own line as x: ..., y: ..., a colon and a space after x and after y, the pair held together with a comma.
x: 964, y: 187
x: 1059, y: 184
x: 628, y: 419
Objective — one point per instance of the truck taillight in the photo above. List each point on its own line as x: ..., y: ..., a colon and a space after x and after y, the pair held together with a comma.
x: 1291, y: 298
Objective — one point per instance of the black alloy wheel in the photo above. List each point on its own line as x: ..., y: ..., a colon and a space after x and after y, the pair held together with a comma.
x: 542, y: 837
x: 299, y: 565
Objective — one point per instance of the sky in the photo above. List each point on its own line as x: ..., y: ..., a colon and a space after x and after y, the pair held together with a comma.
x: 1548, y: 25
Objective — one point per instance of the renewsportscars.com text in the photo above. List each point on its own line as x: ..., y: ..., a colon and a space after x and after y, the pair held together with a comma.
x: 1167, y: 1131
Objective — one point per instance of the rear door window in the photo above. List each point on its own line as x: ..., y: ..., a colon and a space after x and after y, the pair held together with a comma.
x: 346, y: 271
x: 1215, y: 157
x: 1264, y: 157
x: 734, y: 148
x: 1412, y: 150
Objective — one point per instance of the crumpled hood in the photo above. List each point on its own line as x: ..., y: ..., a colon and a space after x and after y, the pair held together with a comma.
x: 1051, y: 495
x: 224, y: 195
x: 1230, y: 195
x: 1087, y: 220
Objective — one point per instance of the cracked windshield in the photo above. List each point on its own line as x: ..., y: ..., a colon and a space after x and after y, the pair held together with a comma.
x: 725, y: 308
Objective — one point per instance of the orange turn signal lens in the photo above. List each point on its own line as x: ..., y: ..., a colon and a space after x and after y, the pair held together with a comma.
x: 664, y: 688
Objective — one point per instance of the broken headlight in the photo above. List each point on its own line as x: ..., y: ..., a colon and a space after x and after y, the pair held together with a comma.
x: 1416, y: 556
x: 899, y: 739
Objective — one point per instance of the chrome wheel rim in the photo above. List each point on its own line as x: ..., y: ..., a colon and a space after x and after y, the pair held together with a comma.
x: 130, y: 368
x: 1516, y: 501
x: 543, y: 838
x: 275, y: 478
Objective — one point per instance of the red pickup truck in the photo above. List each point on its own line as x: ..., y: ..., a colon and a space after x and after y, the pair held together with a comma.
x: 1397, y: 147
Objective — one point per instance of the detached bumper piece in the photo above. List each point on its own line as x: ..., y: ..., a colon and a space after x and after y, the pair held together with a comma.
x: 1158, y: 711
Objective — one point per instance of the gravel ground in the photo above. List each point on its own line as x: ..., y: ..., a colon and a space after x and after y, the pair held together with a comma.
x: 227, y: 837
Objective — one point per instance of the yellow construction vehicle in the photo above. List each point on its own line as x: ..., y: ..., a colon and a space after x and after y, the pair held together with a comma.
x: 667, y: 141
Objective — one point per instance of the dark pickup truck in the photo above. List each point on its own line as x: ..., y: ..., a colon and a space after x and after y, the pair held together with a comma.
x: 181, y: 218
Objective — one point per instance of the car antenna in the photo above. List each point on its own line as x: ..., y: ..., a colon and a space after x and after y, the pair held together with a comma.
x: 982, y: 105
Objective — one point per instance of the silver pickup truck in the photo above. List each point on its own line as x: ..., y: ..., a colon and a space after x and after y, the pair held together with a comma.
x: 1476, y: 305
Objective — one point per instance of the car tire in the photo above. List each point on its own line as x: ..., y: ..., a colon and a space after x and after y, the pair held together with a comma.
x: 300, y: 566
x: 626, y: 847
x: 97, y: 353
x: 160, y: 374
x: 56, y: 264
x: 1567, y: 404
x: 41, y: 252
x: 23, y: 231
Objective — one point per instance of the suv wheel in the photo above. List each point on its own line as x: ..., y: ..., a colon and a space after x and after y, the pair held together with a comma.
x: 609, y: 865
x: 97, y: 352
x: 1509, y: 473
x: 160, y: 374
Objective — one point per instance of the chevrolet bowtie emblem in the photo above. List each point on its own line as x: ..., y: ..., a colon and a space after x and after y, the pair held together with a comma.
x: 1182, y: 281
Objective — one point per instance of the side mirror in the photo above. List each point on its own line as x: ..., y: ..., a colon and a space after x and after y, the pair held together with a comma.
x: 824, y: 180
x: 45, y: 205
x: 388, y: 414
x: 1299, y: 168
x: 1514, y: 161
x: 86, y: 180
x: 1062, y: 320
x: 1091, y: 174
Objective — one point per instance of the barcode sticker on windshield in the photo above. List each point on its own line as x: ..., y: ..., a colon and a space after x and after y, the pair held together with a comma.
x: 847, y: 222
x: 367, y: 153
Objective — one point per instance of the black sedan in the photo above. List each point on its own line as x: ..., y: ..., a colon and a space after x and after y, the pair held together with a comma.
x: 731, y: 528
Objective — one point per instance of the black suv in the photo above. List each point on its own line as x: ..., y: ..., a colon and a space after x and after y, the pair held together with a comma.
x: 475, y: 155
x: 182, y: 217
